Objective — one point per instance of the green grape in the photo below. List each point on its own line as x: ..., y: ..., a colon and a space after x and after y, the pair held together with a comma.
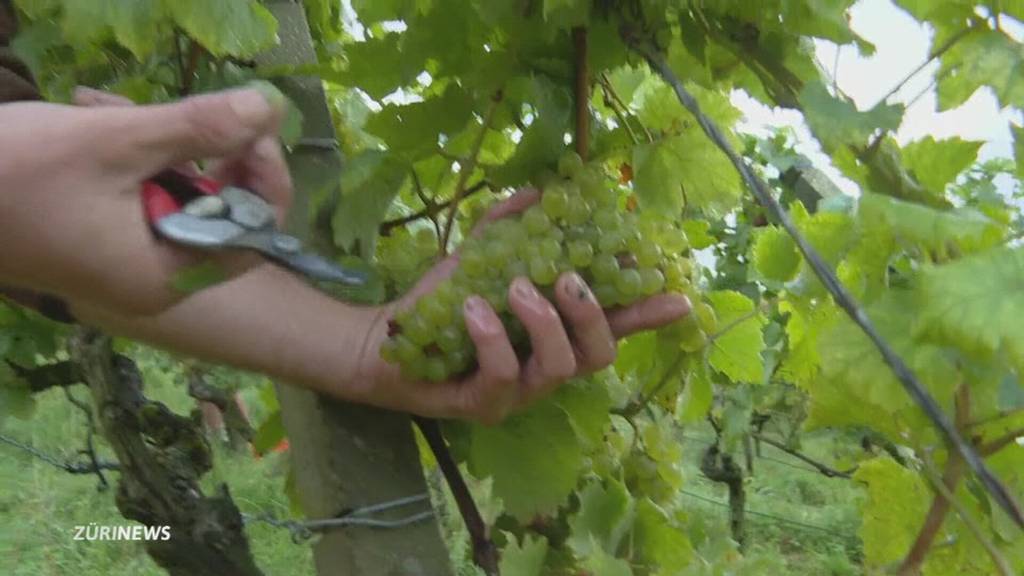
x: 570, y: 165
x: 434, y: 309
x: 581, y: 254
x: 628, y: 282
x: 608, y: 220
x: 389, y: 351
x: 674, y: 240
x: 706, y: 317
x: 579, y: 211
x: 543, y: 271
x: 450, y: 339
x: 647, y: 254
x: 457, y: 361
x: 605, y: 267
x: 536, y: 221
x: 418, y: 330
x: 499, y: 250
x: 434, y: 369
x: 406, y: 351
x: 652, y: 281
x: 555, y: 202
x: 515, y: 269
x: 606, y: 295
x: 472, y: 261
x: 612, y: 242
x: 550, y: 249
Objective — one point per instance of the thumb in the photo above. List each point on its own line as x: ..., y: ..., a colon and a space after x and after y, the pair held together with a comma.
x: 150, y: 138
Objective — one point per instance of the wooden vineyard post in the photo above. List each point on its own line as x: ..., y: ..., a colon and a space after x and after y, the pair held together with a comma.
x: 344, y: 456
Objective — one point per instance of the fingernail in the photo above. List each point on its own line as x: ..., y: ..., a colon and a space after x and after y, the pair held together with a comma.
x: 475, y: 311
x: 579, y: 287
x: 251, y: 106
x: 524, y: 290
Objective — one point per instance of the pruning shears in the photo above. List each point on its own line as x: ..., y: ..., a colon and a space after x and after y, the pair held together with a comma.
x: 200, y: 212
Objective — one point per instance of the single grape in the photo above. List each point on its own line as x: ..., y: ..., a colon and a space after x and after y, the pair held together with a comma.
x: 555, y: 202
x: 536, y: 221
x: 579, y: 211
x: 581, y: 254
x: 550, y: 249
x: 612, y: 242
x: 418, y: 330
x: 606, y: 295
x: 652, y: 281
x: 406, y: 351
x: 706, y: 317
x: 450, y: 339
x: 543, y: 271
x: 570, y: 165
x: 389, y: 351
x: 605, y: 267
x: 628, y: 283
x: 515, y: 269
x: 434, y: 369
x: 647, y: 254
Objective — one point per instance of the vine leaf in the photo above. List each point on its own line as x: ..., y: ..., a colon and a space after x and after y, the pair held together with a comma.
x: 369, y: 184
x: 897, y: 499
x: 601, y: 563
x: 523, y: 559
x: 977, y: 303
x: 936, y: 163
x: 987, y: 58
x: 239, y: 28
x: 937, y: 230
x: 659, y: 541
x: 775, y: 256
x: 534, y: 458
x: 605, y: 516
x: 837, y: 122
x: 587, y: 402
x: 15, y: 395
x: 413, y: 129
x: 1018, y: 148
x: 736, y: 353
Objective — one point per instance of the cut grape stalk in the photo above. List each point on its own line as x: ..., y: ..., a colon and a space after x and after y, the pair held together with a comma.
x: 577, y: 226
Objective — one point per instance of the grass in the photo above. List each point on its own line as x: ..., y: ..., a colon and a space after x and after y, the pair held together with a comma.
x: 807, y: 522
x: 40, y: 505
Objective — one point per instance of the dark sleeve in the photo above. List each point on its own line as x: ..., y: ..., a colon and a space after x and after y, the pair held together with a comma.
x: 15, y: 79
x: 16, y: 84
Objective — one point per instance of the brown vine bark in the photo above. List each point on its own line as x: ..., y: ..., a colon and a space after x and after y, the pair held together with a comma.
x: 162, y: 456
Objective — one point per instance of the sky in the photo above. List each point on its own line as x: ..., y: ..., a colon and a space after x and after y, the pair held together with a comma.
x: 901, y: 45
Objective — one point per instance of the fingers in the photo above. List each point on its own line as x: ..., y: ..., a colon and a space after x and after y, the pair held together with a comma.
x: 150, y: 138
x: 650, y: 313
x: 262, y: 169
x: 553, y: 360
x: 92, y: 98
x: 493, y: 391
x: 595, y: 343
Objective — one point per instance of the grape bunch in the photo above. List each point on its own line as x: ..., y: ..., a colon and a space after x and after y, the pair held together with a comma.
x: 578, y: 225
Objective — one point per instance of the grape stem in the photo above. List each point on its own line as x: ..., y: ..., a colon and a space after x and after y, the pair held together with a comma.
x: 466, y: 170
x: 840, y: 294
x: 826, y: 470
x: 428, y: 203
x: 485, y: 553
x: 611, y: 102
x: 606, y: 84
x: 429, y: 211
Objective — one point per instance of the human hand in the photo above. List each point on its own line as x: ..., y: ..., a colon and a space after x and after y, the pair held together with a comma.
x: 584, y: 343
x: 71, y: 218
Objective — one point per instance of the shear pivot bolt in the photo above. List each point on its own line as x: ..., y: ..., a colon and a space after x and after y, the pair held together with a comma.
x: 287, y: 244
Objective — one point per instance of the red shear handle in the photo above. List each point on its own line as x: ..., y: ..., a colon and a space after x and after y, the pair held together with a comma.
x: 168, y: 192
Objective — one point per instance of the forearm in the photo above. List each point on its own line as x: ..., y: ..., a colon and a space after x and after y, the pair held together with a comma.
x: 266, y: 320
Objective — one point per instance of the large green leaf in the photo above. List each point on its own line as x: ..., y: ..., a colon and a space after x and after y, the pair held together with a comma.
x: 896, y: 502
x: 936, y: 163
x: 534, y: 458
x: 775, y: 255
x: 987, y: 58
x: 240, y: 28
x: 413, y: 129
x: 659, y: 542
x: 965, y: 229
x: 977, y: 303
x: 736, y: 349
x: 837, y: 122
x: 526, y: 559
x: 368, y: 186
x: 604, y: 517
